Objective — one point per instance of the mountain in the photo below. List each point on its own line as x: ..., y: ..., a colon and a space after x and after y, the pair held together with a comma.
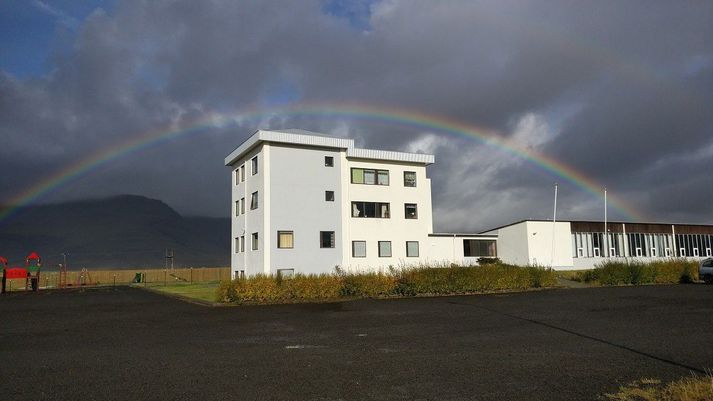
x: 124, y: 231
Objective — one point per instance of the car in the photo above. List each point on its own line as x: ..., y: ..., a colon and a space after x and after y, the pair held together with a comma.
x: 705, y: 270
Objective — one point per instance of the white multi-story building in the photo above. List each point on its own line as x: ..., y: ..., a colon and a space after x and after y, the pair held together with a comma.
x: 305, y: 203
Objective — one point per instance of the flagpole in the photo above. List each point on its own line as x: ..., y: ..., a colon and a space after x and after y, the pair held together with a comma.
x: 554, y: 222
x: 606, y: 232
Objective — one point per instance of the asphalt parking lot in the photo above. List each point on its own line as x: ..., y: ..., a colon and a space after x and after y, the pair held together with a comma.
x: 568, y: 344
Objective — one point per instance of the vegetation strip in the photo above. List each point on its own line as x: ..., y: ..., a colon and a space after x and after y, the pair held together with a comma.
x: 407, y: 282
x: 696, y: 388
x: 626, y: 272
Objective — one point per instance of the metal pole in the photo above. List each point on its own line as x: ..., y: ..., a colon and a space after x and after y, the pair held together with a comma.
x: 606, y: 232
x: 554, y: 223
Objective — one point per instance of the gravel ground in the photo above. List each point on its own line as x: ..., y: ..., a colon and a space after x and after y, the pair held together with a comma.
x: 568, y: 344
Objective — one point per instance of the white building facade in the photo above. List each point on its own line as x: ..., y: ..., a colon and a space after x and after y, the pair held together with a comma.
x: 305, y: 203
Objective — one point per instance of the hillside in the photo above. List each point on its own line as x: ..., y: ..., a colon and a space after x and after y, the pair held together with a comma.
x: 125, y: 231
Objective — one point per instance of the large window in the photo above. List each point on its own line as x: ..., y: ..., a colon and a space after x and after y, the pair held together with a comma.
x: 409, y: 178
x: 254, y: 242
x: 370, y: 177
x: 479, y: 247
x: 412, y: 249
x: 384, y: 249
x: 371, y: 209
x: 328, y: 161
x: 326, y: 239
x: 285, y: 239
x: 411, y: 212
x: 254, y: 165
x: 359, y: 249
x: 253, y: 201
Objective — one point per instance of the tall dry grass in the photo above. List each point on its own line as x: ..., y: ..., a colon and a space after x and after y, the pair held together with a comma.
x: 668, y: 271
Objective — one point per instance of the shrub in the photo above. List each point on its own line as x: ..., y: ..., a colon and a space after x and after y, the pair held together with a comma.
x: 488, y: 261
x: 634, y: 272
x: 695, y: 388
x: 408, y: 281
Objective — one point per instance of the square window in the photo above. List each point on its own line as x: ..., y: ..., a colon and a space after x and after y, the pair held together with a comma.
x: 329, y: 196
x: 328, y: 161
x: 285, y: 239
x: 412, y: 249
x: 254, y: 242
x: 359, y: 249
x: 254, y: 165
x: 409, y: 178
x: 384, y: 249
x: 285, y: 273
x: 411, y: 212
x: 253, y: 201
x: 326, y: 239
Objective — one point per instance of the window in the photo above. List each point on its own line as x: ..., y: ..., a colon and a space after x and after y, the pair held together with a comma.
x: 242, y: 173
x: 328, y: 161
x: 253, y: 201
x: 242, y: 205
x: 638, y: 251
x: 242, y: 243
x: 411, y: 211
x: 653, y: 252
x: 708, y: 263
x: 237, y: 208
x: 239, y: 274
x: 285, y: 273
x: 708, y: 252
x: 237, y: 244
x: 329, y: 196
x: 370, y: 209
x: 596, y: 252
x: 285, y: 239
x: 412, y: 249
x: 370, y: 177
x: 254, y: 242
x: 695, y: 252
x: 237, y: 176
x: 486, y: 247
x: 254, y: 165
x: 409, y: 178
x: 612, y: 252
x: 384, y: 249
x: 326, y: 239
x: 359, y: 249
x: 668, y: 252
x: 682, y: 252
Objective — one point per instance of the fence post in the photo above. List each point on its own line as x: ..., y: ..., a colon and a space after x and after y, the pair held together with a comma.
x: 165, y: 277
x: 114, y: 280
x: 191, y: 275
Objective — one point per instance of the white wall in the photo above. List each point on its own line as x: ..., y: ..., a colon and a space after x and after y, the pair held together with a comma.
x: 449, y: 249
x: 513, y: 244
x: 253, y: 220
x: 539, y: 234
x: 397, y: 228
x: 298, y: 181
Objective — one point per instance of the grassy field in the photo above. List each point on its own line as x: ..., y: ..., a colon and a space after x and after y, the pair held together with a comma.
x: 201, y: 291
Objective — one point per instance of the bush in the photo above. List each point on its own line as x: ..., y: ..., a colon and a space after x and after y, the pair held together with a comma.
x: 488, y: 261
x: 634, y: 272
x: 404, y: 282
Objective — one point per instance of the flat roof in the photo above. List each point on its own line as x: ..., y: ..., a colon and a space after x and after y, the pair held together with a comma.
x: 309, y: 138
x: 598, y: 222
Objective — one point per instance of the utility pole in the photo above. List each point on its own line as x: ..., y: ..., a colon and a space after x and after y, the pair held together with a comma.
x: 554, y: 224
x: 168, y: 259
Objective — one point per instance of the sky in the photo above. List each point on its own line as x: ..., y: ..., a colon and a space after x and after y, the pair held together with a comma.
x: 621, y: 92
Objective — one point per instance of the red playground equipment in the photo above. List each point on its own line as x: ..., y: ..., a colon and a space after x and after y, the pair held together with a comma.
x: 31, y: 272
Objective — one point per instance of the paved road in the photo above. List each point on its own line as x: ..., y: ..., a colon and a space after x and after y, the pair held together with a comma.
x: 127, y: 344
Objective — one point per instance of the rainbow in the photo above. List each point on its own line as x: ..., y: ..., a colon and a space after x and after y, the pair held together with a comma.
x: 389, y: 115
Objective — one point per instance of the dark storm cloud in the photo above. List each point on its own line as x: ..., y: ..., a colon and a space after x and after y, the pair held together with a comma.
x: 620, y: 91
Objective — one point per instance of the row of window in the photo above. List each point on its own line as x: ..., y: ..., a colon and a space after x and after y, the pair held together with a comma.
x: 240, y: 173
x: 286, y: 240
x: 381, y: 210
x: 240, y: 204
x: 640, y: 245
x: 379, y: 177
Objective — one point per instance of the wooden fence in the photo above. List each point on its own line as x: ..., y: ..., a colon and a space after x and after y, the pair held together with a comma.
x: 50, y: 279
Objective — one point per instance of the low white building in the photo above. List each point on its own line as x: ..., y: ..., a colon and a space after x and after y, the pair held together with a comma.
x: 583, y: 244
x: 306, y: 203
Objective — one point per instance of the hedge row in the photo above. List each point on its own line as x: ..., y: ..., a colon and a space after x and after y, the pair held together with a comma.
x: 632, y: 272
x: 405, y: 282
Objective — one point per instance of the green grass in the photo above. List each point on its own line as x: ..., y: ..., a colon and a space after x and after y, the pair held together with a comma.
x: 200, y: 291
